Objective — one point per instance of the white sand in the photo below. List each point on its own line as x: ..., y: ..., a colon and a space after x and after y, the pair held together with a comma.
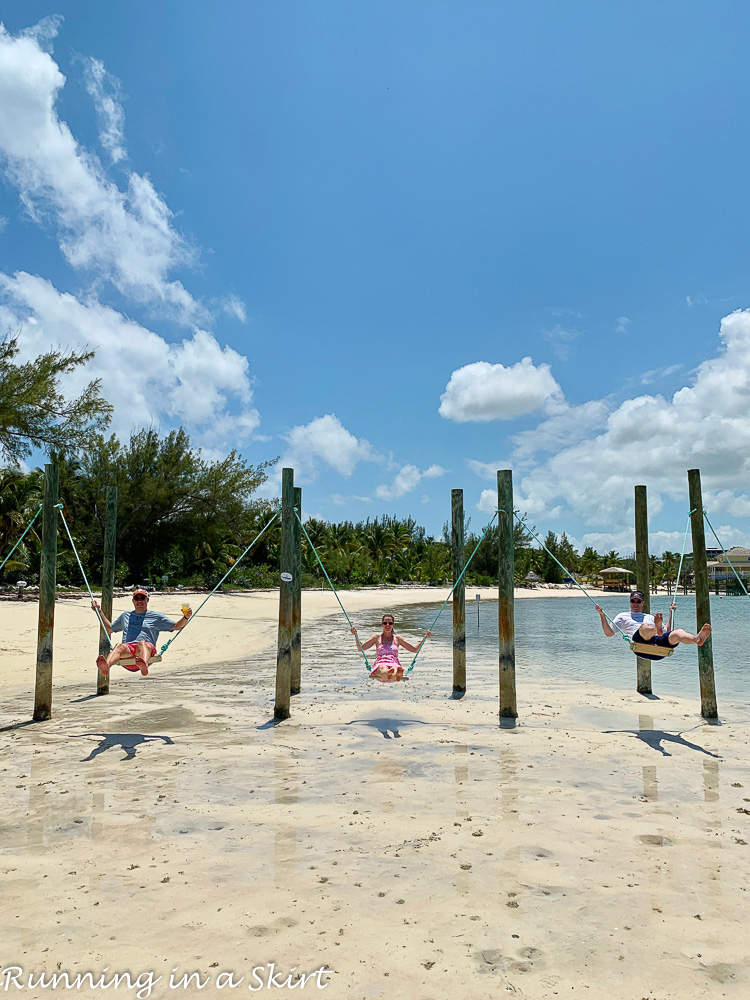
x: 407, y: 843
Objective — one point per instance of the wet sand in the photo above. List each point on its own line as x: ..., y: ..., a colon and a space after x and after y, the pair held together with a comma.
x: 390, y: 834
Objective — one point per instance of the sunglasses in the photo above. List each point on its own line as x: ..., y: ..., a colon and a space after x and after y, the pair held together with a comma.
x: 636, y: 600
x: 386, y: 623
x: 140, y: 598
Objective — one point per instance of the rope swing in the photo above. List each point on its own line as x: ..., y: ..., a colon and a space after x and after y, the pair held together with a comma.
x: 28, y: 528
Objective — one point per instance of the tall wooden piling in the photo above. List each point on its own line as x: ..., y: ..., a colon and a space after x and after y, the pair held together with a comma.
x: 702, y: 597
x: 459, y: 594
x: 296, y: 686
x: 642, y: 580
x: 47, y: 594
x: 286, y: 567
x: 505, y: 619
x: 108, y: 581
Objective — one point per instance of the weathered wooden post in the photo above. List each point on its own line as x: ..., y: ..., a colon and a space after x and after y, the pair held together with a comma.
x: 642, y: 580
x: 286, y: 560
x: 47, y: 594
x: 108, y: 581
x: 505, y: 620
x: 296, y: 686
x: 702, y: 597
x: 459, y: 594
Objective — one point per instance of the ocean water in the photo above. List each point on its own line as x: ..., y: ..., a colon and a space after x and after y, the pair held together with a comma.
x: 557, y: 639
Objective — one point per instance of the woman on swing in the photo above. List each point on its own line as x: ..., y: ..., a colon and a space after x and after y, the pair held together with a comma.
x: 386, y: 667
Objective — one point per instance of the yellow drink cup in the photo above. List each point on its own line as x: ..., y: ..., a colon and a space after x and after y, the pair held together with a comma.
x: 185, y: 608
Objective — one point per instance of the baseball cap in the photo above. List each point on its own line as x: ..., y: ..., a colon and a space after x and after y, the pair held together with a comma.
x: 139, y: 591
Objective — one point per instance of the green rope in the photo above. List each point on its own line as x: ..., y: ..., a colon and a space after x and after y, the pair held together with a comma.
x: 725, y: 553
x: 28, y: 528
x: 485, y: 529
x: 682, y: 556
x: 231, y: 569
x: 625, y: 636
x: 83, y: 574
x: 309, y: 541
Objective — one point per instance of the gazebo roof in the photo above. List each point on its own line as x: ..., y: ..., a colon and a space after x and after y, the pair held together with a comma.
x: 616, y: 569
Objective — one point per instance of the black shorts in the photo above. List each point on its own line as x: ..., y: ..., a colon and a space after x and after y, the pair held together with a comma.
x: 658, y: 640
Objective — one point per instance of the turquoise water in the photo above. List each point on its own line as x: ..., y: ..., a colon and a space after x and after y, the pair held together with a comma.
x: 560, y: 639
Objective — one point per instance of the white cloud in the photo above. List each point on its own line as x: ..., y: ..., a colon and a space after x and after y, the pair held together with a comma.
x: 726, y: 502
x: 653, y: 440
x: 325, y: 439
x: 481, y: 391
x: 235, y: 307
x: 654, y: 374
x: 195, y: 382
x: 124, y: 237
x: 563, y: 429
x: 561, y: 338
x: 104, y: 89
x: 622, y: 324
x: 407, y: 479
x: 341, y: 501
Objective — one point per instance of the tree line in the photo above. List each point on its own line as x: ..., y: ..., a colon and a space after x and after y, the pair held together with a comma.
x: 182, y: 519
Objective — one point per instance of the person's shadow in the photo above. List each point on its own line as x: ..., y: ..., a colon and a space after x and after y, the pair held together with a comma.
x: 387, y: 726
x: 655, y: 737
x: 129, y: 742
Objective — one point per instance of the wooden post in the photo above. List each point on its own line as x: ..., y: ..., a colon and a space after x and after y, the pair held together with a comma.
x: 284, y: 645
x: 296, y: 686
x: 459, y: 594
x: 642, y: 580
x: 702, y: 597
x: 505, y: 620
x: 108, y: 581
x: 47, y: 594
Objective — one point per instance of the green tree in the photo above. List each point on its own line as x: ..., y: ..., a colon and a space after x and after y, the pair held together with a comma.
x: 35, y: 413
x: 171, y: 503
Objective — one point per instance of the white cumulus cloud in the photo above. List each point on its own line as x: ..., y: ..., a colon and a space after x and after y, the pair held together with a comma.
x: 325, y: 439
x: 649, y: 439
x: 482, y: 391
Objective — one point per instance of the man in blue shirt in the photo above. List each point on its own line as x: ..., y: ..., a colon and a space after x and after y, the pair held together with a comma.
x: 140, y: 629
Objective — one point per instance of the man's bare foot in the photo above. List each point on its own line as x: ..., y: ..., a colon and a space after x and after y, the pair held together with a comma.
x: 704, y: 633
x: 142, y: 665
x: 101, y: 662
x: 659, y: 622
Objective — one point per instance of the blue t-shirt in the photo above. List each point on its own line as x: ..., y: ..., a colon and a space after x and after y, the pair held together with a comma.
x: 138, y: 625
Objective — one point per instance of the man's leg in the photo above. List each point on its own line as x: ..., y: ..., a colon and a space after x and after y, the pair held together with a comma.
x: 678, y: 635
x: 105, y: 663
x: 142, y: 654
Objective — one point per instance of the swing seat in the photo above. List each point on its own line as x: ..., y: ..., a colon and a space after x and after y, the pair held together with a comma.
x: 129, y: 662
x: 641, y: 648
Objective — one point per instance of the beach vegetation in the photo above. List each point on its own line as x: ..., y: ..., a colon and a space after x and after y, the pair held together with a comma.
x: 35, y: 412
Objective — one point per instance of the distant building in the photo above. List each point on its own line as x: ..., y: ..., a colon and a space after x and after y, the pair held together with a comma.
x: 720, y: 568
x: 615, y: 578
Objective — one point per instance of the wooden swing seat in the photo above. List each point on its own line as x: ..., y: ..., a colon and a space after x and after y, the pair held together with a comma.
x: 129, y: 661
x: 640, y: 648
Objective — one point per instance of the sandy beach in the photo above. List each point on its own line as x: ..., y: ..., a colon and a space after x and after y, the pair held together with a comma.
x: 381, y: 843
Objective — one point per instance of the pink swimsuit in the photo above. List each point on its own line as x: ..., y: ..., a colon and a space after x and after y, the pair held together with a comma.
x: 386, y: 667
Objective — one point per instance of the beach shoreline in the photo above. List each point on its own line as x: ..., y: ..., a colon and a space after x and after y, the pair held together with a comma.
x: 393, y: 835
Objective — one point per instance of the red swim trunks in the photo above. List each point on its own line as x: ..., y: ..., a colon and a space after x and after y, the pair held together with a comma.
x: 133, y: 647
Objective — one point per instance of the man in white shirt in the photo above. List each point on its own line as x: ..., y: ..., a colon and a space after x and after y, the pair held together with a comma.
x: 649, y: 629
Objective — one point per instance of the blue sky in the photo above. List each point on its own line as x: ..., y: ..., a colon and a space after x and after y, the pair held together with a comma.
x: 399, y: 244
